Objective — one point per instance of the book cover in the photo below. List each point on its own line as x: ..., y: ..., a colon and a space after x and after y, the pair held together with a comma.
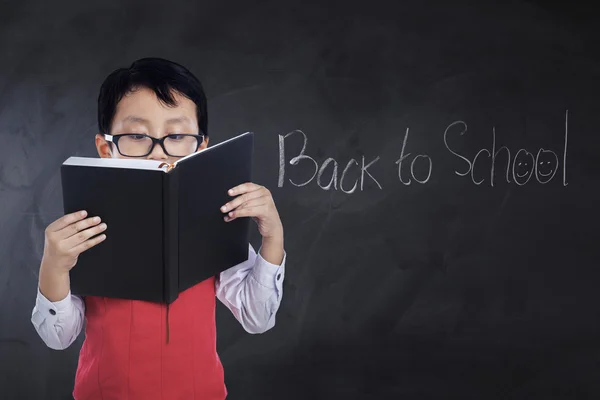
x: 165, y: 231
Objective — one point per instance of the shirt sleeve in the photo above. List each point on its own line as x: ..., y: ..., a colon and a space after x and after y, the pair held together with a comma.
x: 252, y: 291
x: 58, y: 323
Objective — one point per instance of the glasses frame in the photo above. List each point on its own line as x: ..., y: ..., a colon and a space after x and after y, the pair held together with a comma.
x: 115, y: 139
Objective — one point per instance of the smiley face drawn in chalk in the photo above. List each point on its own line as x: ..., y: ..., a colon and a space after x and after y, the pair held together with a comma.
x: 546, y: 165
x: 523, y: 166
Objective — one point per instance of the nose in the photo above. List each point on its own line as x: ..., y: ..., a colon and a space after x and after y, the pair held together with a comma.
x: 157, y: 153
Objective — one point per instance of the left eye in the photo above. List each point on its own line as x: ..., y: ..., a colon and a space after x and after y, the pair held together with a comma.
x: 176, y: 137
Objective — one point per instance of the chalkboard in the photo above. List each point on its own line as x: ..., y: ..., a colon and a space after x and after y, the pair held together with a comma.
x: 434, y: 164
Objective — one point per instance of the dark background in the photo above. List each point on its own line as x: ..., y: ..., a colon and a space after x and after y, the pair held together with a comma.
x: 441, y: 290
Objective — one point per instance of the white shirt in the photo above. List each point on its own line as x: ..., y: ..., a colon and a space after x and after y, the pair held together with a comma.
x: 251, y: 290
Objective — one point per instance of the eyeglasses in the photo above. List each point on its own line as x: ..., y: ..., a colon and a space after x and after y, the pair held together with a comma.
x: 140, y: 145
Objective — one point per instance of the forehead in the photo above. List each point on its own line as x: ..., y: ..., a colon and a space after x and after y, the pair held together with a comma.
x: 144, y: 103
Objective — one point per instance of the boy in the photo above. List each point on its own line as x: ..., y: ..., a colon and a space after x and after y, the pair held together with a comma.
x: 155, y: 109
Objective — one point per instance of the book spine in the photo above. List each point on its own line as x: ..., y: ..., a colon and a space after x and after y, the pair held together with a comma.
x: 171, y: 235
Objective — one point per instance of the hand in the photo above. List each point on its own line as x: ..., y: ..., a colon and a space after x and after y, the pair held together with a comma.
x: 256, y: 202
x: 68, y: 237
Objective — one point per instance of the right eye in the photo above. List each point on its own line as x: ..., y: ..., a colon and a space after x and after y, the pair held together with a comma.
x: 137, y: 137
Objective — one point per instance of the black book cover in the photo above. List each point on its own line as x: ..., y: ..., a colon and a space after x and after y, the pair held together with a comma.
x: 165, y: 232
x: 208, y: 244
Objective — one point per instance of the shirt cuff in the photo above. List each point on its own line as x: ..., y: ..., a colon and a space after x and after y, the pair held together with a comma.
x: 267, y: 274
x: 53, y: 309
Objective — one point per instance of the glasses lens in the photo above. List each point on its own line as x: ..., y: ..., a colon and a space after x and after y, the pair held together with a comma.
x: 181, y: 145
x: 134, y: 145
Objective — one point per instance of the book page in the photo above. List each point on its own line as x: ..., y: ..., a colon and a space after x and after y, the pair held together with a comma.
x: 209, y: 148
x: 116, y: 163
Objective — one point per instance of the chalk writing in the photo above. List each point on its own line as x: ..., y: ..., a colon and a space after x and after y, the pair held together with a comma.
x: 565, y: 150
x: 521, y: 166
x: 412, y: 164
x: 295, y: 160
x: 333, y: 176
x: 524, y: 168
x: 344, y: 175
x: 544, y: 166
x: 319, y: 171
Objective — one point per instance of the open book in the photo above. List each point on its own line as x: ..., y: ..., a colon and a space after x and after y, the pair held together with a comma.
x: 165, y: 230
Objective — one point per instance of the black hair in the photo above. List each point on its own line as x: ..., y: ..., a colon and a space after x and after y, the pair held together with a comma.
x: 157, y: 74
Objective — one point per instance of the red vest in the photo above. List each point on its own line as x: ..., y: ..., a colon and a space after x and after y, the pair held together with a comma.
x: 125, y: 355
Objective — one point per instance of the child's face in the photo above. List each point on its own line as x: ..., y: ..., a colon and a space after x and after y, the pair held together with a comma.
x: 142, y: 112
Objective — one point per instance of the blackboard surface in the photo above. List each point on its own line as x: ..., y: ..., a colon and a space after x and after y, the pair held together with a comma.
x: 426, y: 281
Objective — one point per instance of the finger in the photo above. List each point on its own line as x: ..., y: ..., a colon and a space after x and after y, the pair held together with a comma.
x: 235, y: 203
x: 84, y: 235
x: 243, y: 188
x: 88, y: 244
x: 77, y: 227
x: 253, y: 208
x: 66, y: 220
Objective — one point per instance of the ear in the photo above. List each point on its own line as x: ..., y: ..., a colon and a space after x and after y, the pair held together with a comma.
x: 204, y: 144
x: 104, y: 148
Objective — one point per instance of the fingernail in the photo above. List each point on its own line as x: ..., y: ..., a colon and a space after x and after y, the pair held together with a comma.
x: 102, y: 237
x: 83, y: 213
x: 231, y: 214
x: 230, y: 191
x: 96, y: 219
x: 224, y: 208
x: 103, y: 226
